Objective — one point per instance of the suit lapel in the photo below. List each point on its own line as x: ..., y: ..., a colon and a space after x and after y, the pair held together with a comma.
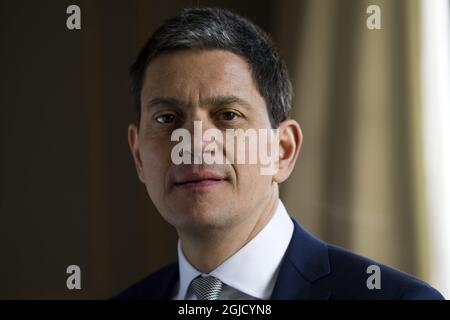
x: 305, y: 261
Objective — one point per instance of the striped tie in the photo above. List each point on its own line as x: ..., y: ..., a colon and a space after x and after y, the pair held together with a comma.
x: 207, y: 288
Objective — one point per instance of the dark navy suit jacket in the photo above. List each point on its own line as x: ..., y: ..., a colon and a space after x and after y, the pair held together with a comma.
x: 311, y: 269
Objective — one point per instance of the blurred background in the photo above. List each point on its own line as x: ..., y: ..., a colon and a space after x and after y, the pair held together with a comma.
x: 374, y: 106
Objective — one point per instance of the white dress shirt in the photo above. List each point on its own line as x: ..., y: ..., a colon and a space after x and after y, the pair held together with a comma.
x: 252, y: 271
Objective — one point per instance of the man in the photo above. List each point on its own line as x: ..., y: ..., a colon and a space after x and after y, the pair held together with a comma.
x: 236, y: 240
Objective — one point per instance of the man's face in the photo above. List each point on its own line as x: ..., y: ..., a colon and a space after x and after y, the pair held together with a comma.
x: 215, y: 87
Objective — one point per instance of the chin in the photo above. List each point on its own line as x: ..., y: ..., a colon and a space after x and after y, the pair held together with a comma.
x: 199, y: 217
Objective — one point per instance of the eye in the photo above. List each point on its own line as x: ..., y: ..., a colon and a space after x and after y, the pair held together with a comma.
x: 228, y: 115
x: 165, y: 118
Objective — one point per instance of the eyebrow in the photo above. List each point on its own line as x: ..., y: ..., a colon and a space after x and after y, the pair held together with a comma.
x: 165, y: 101
x: 216, y: 101
x: 227, y: 100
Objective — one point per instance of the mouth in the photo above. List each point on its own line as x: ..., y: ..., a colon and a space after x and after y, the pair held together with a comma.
x: 200, y: 184
x: 199, y: 181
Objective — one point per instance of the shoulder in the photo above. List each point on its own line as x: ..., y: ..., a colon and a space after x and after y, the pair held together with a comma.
x: 353, y: 276
x: 157, y: 286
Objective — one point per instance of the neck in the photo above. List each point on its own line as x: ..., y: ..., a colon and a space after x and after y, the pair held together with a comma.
x: 208, y: 251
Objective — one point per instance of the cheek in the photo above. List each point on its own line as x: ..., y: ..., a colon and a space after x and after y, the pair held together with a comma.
x: 249, y: 178
x: 155, y: 160
x: 252, y: 187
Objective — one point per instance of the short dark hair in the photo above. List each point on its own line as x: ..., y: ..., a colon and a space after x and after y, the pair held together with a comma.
x: 214, y: 28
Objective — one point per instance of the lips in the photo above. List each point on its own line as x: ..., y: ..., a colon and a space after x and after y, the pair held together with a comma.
x: 198, y: 179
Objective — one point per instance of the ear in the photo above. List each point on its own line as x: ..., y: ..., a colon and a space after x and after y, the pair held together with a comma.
x: 133, y: 141
x: 290, y: 140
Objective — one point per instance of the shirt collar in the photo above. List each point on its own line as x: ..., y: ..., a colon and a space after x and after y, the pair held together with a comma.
x: 254, y: 268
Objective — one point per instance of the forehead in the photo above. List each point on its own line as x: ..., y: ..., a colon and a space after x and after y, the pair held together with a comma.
x: 188, y: 73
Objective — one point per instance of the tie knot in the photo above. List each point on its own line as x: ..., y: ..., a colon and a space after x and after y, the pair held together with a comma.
x: 207, y: 288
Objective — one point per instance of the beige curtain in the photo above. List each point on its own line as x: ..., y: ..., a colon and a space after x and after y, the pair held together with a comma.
x: 358, y: 183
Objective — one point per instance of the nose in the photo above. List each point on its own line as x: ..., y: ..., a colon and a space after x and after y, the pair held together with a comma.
x: 197, y: 125
x: 199, y: 115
